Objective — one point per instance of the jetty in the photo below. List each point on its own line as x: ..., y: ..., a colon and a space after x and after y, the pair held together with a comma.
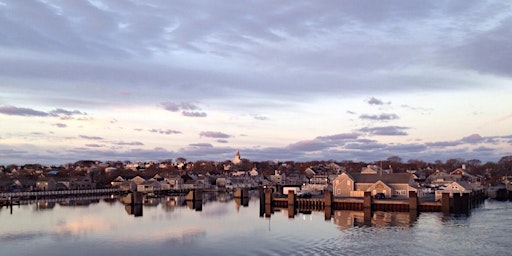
x: 455, y: 203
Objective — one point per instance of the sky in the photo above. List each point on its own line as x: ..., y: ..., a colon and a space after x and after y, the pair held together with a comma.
x: 277, y: 80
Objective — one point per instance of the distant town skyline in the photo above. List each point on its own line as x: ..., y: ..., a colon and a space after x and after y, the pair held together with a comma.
x: 294, y: 80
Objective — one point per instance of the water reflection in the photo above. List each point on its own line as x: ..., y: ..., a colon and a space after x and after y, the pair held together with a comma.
x: 346, y: 219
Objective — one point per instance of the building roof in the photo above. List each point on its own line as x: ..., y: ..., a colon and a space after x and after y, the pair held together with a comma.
x: 464, y: 184
x: 386, y: 178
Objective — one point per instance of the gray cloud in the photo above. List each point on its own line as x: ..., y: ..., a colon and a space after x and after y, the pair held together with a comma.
x: 133, y: 143
x: 194, y: 114
x: 93, y: 145
x: 90, y: 137
x: 259, y: 117
x: 201, y: 145
x: 338, y: 137
x: 473, y: 138
x: 60, y: 111
x: 161, y: 131
x: 381, y: 117
x: 309, y: 145
x: 60, y: 125
x: 443, y: 144
x: 175, y: 107
x: 375, y: 101
x: 212, y: 134
x: 15, y: 111
x: 186, y: 108
x: 279, y: 32
x: 385, y: 130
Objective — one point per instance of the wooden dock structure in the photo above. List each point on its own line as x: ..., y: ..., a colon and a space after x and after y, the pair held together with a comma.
x: 458, y: 203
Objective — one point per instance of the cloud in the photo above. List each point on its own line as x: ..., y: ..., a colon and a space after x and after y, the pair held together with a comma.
x: 212, y: 134
x: 201, y: 145
x: 161, y: 131
x: 93, y: 145
x: 60, y: 125
x: 385, y: 130
x: 381, y: 117
x: 259, y: 117
x: 174, y: 107
x: 60, y: 111
x: 340, y: 136
x: 90, y: 137
x: 15, y: 111
x: 222, y: 141
x: 443, y: 144
x: 186, y: 108
x: 133, y: 143
x: 375, y: 101
x: 309, y: 145
x: 193, y: 114
x: 473, y: 138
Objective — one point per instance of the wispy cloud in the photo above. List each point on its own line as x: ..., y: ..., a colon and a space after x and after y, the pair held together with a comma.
x: 201, y: 145
x: 59, y: 112
x: 93, y: 145
x: 60, y: 125
x: 90, y: 137
x: 15, y: 111
x: 375, y: 101
x: 212, y: 134
x: 133, y: 143
x: 381, y: 117
x: 385, y: 130
x: 186, y: 108
x: 162, y: 131
x: 193, y: 114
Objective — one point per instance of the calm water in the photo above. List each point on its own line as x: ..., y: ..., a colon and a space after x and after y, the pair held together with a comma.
x: 223, y: 226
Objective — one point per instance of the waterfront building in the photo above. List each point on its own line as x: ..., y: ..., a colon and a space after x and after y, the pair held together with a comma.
x: 455, y: 187
x: 46, y: 184
x: 391, y: 185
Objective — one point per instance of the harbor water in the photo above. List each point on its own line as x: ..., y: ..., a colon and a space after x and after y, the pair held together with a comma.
x: 223, y: 225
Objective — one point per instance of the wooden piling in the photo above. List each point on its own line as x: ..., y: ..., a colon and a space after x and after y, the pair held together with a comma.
x: 457, y: 203
x: 367, y: 201
x: 465, y: 204
x: 445, y: 203
x: 328, y: 199
x: 291, y: 198
x: 413, y: 201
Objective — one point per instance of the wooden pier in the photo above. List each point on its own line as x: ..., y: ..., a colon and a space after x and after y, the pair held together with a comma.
x: 458, y: 203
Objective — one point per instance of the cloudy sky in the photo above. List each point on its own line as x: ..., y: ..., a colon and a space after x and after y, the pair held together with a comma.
x: 278, y: 80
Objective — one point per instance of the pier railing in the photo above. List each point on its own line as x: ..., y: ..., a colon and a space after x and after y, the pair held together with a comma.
x: 25, y: 194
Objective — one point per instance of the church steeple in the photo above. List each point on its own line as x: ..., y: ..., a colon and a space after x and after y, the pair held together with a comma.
x: 237, y: 159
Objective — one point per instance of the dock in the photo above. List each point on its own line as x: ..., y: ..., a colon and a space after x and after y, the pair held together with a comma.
x: 456, y: 203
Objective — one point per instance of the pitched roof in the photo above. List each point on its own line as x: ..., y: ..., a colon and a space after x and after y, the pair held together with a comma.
x: 386, y: 178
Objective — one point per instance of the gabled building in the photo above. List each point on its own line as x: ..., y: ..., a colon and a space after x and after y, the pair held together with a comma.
x: 391, y: 185
x: 46, y: 184
x: 455, y: 187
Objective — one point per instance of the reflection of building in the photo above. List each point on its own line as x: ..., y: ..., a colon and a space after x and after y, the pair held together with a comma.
x: 348, y: 219
x: 43, y: 205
